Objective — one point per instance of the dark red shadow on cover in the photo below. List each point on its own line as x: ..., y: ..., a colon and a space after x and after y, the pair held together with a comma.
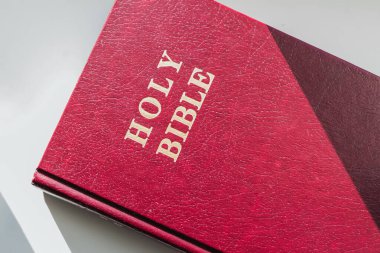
x: 346, y: 99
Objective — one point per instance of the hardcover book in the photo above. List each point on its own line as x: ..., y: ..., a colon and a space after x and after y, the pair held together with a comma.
x: 214, y: 132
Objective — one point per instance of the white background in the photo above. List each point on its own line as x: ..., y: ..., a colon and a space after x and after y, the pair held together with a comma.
x: 44, y: 45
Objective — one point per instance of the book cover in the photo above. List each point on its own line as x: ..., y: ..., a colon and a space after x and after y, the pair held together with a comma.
x: 214, y: 132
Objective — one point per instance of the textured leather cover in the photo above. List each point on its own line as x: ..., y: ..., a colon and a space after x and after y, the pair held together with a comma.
x: 278, y: 150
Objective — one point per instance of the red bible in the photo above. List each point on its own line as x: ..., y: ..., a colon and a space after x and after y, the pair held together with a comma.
x: 213, y: 132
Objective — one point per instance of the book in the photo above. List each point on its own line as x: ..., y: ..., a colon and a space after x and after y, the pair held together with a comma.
x: 214, y: 132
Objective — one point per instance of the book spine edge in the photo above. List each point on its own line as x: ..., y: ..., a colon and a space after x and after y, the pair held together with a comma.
x: 73, y: 196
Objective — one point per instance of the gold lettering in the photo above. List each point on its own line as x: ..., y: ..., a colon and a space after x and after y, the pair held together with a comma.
x: 183, y: 118
x: 166, y: 61
x: 160, y: 88
x: 138, y: 129
x: 192, y: 101
x: 198, y: 80
x: 145, y: 113
x: 176, y: 132
x: 168, y: 151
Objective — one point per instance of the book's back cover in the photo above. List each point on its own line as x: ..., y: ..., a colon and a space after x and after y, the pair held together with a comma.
x: 214, y: 132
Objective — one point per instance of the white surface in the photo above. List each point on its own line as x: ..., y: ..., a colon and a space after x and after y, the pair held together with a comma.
x: 43, y: 48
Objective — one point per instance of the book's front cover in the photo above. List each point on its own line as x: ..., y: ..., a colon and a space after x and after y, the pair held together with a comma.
x: 214, y: 132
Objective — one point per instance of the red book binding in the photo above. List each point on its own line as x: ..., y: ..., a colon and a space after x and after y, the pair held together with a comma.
x: 213, y: 132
